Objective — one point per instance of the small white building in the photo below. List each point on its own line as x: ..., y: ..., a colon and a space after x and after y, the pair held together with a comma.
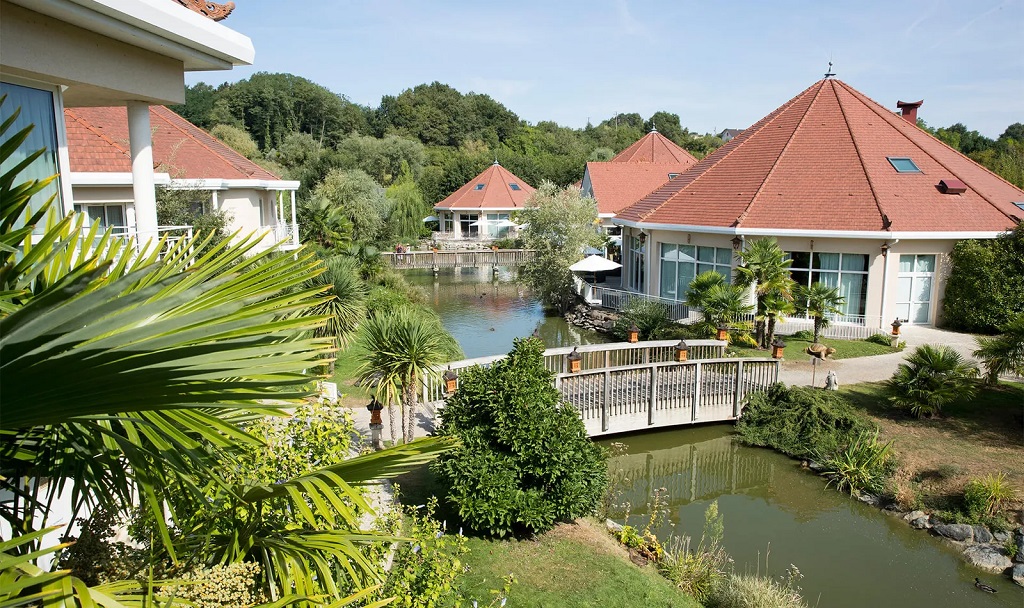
x: 186, y: 158
x: 481, y: 209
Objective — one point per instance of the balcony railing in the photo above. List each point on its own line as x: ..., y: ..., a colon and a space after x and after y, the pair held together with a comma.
x: 284, y: 235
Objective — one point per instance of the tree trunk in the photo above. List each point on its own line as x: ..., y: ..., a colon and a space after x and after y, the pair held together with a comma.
x: 391, y: 420
x: 759, y: 323
x: 817, y: 328
x: 770, y: 338
x: 410, y: 407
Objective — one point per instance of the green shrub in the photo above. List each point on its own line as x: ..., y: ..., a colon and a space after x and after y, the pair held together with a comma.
x: 862, y: 466
x: 985, y: 497
x: 800, y: 422
x: 803, y: 334
x: 524, y: 461
x: 508, y: 243
x: 750, y: 591
x: 880, y: 338
x: 1010, y: 546
x: 994, y: 267
x: 232, y: 586
x: 949, y: 471
x: 651, y: 317
x: 931, y: 378
x: 426, y: 569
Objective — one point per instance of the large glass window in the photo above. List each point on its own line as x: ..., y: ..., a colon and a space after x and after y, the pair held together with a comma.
x: 493, y: 229
x: 467, y: 224
x: 635, y: 246
x: 681, y: 263
x: 106, y: 216
x: 37, y: 108
x: 848, y: 271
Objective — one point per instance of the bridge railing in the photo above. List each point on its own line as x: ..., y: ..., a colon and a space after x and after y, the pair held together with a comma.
x: 637, y: 397
x: 458, y: 258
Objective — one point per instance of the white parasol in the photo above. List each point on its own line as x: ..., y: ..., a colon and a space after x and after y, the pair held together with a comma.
x: 430, y: 218
x: 594, y: 263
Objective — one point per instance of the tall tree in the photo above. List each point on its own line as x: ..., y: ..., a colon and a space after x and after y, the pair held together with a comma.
x: 764, y: 266
x: 360, y: 198
x: 561, y: 225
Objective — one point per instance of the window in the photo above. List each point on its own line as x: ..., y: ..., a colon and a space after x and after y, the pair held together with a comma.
x: 466, y: 221
x: 848, y: 271
x: 916, y: 283
x: 447, y: 222
x: 107, y: 216
x: 636, y: 263
x: 673, y: 175
x: 478, y: 187
x: 37, y: 108
x: 514, y: 186
x: 493, y: 229
x: 1020, y: 206
x: 681, y: 263
x: 903, y: 164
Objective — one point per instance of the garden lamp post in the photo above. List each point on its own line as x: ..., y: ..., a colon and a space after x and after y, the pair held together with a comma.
x: 376, y: 423
x: 682, y: 351
x: 896, y: 327
x: 723, y: 332
x: 778, y: 347
x: 574, y: 359
x: 451, y: 382
x: 633, y: 333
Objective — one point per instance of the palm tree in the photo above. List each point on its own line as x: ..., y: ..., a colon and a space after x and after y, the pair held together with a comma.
x: 932, y: 377
x: 400, y: 348
x: 346, y: 306
x: 128, y: 374
x: 776, y: 305
x: 324, y: 223
x: 819, y: 301
x: 763, y: 264
x: 1003, y: 353
x: 719, y: 302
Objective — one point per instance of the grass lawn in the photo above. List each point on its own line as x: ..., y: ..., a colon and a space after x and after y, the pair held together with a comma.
x: 845, y: 349
x: 970, y: 440
x: 345, y: 372
x: 574, y: 565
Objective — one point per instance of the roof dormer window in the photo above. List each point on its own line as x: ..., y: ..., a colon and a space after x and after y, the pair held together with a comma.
x: 514, y: 186
x: 478, y: 187
x: 902, y: 164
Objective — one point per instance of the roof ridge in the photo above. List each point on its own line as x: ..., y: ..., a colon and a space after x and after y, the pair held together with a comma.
x: 98, y: 133
x: 860, y: 157
x: 782, y: 153
x: 726, y: 150
x: 186, y: 133
x: 889, y: 117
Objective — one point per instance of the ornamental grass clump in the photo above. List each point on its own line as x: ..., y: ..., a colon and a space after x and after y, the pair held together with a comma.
x: 699, y: 571
x: 524, y: 461
x: 985, y: 497
x: 862, y: 466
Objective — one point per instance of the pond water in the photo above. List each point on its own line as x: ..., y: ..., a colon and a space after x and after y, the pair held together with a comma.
x: 485, y: 312
x: 850, y: 554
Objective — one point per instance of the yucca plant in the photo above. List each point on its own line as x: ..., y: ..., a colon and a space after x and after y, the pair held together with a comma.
x: 862, y: 465
x: 130, y: 372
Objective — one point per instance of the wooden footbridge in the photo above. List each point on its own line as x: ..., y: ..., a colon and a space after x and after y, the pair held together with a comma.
x: 625, y: 387
x: 478, y: 258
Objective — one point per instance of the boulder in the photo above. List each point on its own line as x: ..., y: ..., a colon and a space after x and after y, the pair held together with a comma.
x: 869, y: 499
x: 914, y: 515
x: 920, y: 523
x: 1000, y: 536
x: 987, y: 558
x: 1020, y: 548
x: 612, y: 526
x: 1017, y: 574
x: 816, y: 467
x: 958, y: 532
x: 981, y: 534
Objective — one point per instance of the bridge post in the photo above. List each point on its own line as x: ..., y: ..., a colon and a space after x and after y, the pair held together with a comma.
x: 698, y: 375
x: 737, y: 398
x: 606, y: 400
x: 653, y: 398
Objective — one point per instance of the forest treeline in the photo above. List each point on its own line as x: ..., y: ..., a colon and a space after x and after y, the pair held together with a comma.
x: 380, y: 170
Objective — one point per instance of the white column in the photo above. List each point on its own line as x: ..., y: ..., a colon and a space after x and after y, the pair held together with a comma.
x: 295, y: 225
x: 214, y: 200
x: 143, y: 186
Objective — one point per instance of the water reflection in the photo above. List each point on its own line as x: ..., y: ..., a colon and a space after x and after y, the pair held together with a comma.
x: 486, y: 312
x: 851, y: 554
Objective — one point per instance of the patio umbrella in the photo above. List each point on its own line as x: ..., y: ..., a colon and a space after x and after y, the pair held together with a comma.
x: 506, y: 223
x: 594, y: 263
x: 430, y: 218
x: 480, y: 223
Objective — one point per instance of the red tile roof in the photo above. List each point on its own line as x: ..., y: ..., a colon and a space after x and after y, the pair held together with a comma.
x: 497, y: 191
x: 654, y: 148
x: 819, y: 162
x: 98, y: 142
x: 618, y: 185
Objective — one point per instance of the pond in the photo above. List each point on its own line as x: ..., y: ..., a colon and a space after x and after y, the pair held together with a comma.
x: 850, y: 554
x: 485, y: 312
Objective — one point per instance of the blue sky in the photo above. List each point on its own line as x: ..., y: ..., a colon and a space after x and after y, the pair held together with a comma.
x: 716, y: 64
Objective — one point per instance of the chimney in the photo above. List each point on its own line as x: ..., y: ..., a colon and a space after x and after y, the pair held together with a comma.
x: 909, y: 109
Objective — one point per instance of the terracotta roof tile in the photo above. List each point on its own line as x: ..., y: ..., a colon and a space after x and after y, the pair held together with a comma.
x: 98, y: 142
x: 619, y: 185
x: 497, y: 192
x: 820, y: 162
x: 654, y: 148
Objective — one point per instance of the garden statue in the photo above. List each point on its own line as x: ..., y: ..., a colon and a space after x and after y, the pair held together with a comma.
x: 820, y: 351
x: 832, y: 381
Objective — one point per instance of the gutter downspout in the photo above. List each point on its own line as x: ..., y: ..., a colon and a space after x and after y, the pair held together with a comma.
x: 886, y: 246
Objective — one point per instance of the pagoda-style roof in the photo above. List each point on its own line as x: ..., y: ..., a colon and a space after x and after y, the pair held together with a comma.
x: 495, y: 188
x: 616, y: 186
x: 654, y: 148
x: 832, y: 159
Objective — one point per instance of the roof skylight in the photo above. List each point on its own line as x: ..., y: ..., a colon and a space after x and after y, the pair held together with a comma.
x: 902, y: 164
x: 478, y: 187
x: 514, y: 186
x: 1020, y: 205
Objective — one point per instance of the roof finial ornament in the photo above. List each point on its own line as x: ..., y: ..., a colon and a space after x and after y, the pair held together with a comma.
x: 496, y: 163
x: 829, y: 73
x: 654, y: 127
